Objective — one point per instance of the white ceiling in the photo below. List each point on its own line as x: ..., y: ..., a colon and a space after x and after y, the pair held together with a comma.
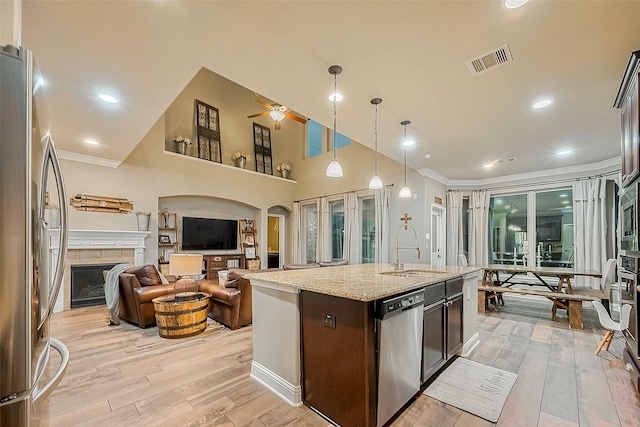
x: 410, y: 54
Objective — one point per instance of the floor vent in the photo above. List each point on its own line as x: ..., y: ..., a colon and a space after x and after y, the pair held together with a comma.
x: 490, y: 60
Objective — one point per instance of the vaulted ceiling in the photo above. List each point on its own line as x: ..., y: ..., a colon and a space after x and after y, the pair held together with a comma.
x: 411, y: 54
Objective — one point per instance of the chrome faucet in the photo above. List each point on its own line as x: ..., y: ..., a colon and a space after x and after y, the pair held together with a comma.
x: 396, y: 264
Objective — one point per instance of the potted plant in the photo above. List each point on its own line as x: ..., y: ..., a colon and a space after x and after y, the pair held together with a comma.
x: 181, y: 144
x: 240, y: 159
x: 284, y: 170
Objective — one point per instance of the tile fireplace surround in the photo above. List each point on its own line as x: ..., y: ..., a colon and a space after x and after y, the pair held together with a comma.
x: 94, y: 247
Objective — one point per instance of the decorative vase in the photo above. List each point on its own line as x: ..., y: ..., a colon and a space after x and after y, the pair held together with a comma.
x: 241, y: 162
x: 181, y: 147
x: 284, y: 173
x: 143, y: 221
x: 54, y: 218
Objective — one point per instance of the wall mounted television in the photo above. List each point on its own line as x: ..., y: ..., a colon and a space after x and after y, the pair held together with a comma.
x: 209, y: 233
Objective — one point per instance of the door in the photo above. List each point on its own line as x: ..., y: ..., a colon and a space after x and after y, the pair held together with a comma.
x: 275, y: 238
x: 438, y: 249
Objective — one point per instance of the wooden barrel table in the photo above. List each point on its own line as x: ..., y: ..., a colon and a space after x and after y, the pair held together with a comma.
x: 179, y: 316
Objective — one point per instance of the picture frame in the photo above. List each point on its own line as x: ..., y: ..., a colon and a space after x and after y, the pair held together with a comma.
x: 250, y: 252
x: 164, y: 239
x: 249, y: 240
x: 207, y: 123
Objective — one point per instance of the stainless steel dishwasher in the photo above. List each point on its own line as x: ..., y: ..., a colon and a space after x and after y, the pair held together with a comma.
x: 399, y: 324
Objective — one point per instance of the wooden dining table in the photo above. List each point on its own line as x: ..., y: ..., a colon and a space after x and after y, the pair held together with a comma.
x: 491, y: 275
x: 562, y: 294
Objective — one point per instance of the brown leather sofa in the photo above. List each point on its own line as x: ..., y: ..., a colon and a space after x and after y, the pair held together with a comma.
x: 138, y: 287
x: 230, y: 304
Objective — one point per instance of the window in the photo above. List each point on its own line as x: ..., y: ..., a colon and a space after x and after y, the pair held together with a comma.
x: 368, y: 226
x: 554, y: 228
x: 336, y: 213
x: 539, y: 223
x: 507, y: 228
x: 314, y: 138
x: 341, y: 140
x: 310, y: 231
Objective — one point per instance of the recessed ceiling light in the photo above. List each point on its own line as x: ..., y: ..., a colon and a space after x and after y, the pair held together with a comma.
x: 488, y: 165
x: 564, y: 152
x: 512, y: 4
x: 427, y: 156
x: 565, y: 202
x: 336, y: 97
x: 108, y: 98
x: 91, y: 142
x: 564, y: 195
x: 542, y: 104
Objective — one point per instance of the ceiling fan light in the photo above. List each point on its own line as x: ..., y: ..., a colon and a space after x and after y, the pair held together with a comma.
x: 334, y: 170
x: 405, y: 192
x: 375, y: 183
x: 277, y: 115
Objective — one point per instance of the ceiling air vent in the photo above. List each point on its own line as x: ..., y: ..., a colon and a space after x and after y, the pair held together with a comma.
x: 490, y: 60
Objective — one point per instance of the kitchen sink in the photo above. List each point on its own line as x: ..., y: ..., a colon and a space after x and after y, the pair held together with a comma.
x: 413, y: 273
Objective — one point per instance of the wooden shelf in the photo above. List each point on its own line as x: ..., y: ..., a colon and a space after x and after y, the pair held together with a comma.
x: 168, y: 226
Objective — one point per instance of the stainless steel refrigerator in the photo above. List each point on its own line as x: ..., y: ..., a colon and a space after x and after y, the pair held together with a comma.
x: 30, y: 185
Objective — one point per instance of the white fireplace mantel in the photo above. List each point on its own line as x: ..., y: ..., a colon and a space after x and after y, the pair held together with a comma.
x: 95, y: 240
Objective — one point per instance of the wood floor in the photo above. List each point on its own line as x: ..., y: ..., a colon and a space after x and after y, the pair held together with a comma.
x: 126, y: 376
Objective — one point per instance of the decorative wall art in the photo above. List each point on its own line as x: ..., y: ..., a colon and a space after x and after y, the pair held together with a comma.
x: 88, y: 203
x: 207, y: 120
x: 262, y: 144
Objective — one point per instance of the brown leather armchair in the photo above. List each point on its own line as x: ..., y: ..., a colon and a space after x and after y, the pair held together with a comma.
x: 230, y: 304
x: 138, y: 287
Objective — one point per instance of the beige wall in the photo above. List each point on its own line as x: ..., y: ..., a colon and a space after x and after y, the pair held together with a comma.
x: 151, y: 173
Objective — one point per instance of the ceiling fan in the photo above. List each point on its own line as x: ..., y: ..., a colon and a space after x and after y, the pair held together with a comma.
x: 278, y: 113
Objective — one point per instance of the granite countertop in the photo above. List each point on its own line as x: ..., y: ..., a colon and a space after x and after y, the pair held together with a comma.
x: 362, y: 282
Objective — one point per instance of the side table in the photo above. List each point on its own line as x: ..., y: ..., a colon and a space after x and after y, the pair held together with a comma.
x: 181, y: 315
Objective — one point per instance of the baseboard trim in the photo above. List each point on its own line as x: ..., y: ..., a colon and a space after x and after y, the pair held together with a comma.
x: 288, y: 392
x: 470, y: 345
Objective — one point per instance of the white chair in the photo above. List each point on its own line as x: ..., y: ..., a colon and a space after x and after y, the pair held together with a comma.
x: 610, y: 325
x: 462, y: 260
x: 608, y: 276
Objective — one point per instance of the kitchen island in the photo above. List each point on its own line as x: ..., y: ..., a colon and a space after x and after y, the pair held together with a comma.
x: 293, y: 310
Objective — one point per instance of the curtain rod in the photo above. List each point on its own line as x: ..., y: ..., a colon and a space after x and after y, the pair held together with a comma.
x: 557, y: 181
x: 336, y: 194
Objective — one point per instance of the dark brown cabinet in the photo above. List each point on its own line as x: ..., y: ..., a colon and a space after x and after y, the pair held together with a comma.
x: 627, y: 102
x: 339, y: 358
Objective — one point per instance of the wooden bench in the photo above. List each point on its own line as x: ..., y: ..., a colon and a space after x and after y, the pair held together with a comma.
x: 570, y: 302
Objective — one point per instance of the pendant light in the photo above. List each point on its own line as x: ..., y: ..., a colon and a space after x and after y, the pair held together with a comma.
x: 334, y: 170
x: 405, y: 192
x: 375, y: 183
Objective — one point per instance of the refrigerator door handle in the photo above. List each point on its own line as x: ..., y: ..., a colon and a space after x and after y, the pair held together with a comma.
x: 43, y: 393
x: 50, y: 155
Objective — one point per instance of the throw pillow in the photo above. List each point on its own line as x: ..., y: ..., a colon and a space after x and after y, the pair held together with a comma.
x: 147, y: 275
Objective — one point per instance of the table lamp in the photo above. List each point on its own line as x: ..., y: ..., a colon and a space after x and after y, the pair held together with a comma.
x: 183, y: 266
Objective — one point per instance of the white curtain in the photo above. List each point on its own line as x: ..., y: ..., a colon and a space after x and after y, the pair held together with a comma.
x: 297, y: 235
x: 590, y: 225
x: 323, y: 251
x: 479, y: 227
x: 382, y: 197
x: 454, y: 227
x: 352, y: 248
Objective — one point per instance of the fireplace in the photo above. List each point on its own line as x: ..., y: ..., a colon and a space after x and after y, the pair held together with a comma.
x: 87, y: 284
x: 94, y: 247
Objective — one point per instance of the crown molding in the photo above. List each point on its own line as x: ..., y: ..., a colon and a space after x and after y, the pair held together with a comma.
x: 604, y: 166
x: 83, y: 158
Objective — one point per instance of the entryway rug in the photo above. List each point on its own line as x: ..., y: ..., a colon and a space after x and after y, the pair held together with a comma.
x: 473, y: 387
